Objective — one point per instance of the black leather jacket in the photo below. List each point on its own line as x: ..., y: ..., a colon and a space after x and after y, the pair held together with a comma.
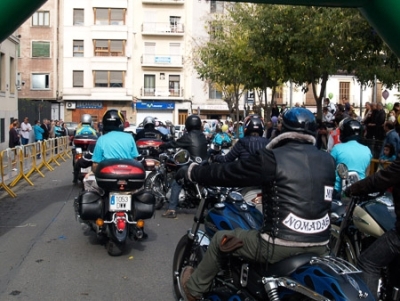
x: 297, y: 183
x: 380, y: 181
x: 194, y: 141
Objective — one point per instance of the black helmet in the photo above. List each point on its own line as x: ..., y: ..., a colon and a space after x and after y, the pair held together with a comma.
x: 350, y: 129
x: 193, y: 122
x: 149, y: 122
x: 113, y: 120
x: 253, y: 124
x: 299, y: 120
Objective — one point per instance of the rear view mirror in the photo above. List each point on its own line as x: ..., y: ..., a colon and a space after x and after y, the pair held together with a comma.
x: 181, y: 157
x: 342, y: 171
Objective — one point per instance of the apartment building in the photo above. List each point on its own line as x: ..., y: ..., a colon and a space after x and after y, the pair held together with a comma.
x: 8, y: 87
x: 40, y: 62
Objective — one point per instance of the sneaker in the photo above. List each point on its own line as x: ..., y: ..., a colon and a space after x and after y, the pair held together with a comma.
x: 169, y: 213
x: 185, y: 276
x: 14, y: 169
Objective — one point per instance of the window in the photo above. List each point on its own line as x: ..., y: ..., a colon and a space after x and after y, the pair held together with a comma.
x: 2, y: 72
x: 13, y: 78
x: 175, y: 23
x: 41, y: 18
x: 149, y: 85
x: 40, y: 81
x: 78, y: 48
x: 78, y: 17
x: 109, y: 79
x: 174, y: 85
x: 109, y: 47
x: 214, y: 93
x: 344, y: 90
x: 40, y: 49
x: 109, y: 16
x: 77, y: 79
x: 217, y: 7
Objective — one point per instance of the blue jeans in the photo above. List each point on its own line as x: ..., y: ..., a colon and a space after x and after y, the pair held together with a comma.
x: 380, y: 254
x: 174, y: 199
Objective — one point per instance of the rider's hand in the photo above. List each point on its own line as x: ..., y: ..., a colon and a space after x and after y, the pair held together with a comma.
x: 347, y: 192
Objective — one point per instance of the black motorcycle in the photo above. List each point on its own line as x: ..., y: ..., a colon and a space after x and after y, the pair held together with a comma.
x: 114, y: 205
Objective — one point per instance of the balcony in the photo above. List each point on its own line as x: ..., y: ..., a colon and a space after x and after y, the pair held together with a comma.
x: 166, y: 28
x: 179, y: 2
x: 162, y: 60
x: 161, y: 92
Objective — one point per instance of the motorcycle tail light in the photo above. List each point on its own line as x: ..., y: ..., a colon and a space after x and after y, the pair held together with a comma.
x: 140, y: 223
x: 258, y: 199
x: 78, y: 156
x: 99, y: 222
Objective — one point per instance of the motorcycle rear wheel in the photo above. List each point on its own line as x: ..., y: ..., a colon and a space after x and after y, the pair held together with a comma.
x: 154, y: 182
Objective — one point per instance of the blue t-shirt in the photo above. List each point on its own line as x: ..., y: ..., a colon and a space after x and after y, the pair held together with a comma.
x: 356, y: 156
x: 38, y: 132
x: 115, y: 145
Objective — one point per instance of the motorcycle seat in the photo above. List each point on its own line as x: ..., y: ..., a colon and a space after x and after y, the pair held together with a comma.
x: 288, y: 265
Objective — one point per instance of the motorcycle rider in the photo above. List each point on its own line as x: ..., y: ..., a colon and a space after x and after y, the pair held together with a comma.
x: 350, y: 152
x: 86, y: 126
x: 297, y: 184
x: 385, y: 251
x: 249, y: 144
x: 149, y: 130
x: 195, y: 142
x: 115, y: 143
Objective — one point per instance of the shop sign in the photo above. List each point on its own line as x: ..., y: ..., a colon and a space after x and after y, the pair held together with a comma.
x: 89, y: 104
x: 155, y: 105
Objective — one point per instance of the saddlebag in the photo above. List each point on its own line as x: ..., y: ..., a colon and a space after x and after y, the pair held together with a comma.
x: 90, y: 205
x: 120, y: 175
x: 143, y: 204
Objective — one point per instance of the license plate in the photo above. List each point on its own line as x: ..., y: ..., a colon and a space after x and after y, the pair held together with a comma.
x: 120, y: 201
x: 86, y: 170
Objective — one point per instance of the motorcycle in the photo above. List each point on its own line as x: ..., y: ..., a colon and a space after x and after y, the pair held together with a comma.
x: 114, y: 205
x: 149, y: 150
x: 300, y: 277
x: 358, y: 222
x: 81, y: 147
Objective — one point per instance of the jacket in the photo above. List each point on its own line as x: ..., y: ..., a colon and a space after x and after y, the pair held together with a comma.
x: 381, y: 181
x: 243, y: 149
x: 194, y: 141
x: 297, y: 185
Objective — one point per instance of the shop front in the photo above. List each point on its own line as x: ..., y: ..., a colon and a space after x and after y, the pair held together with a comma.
x: 163, y: 111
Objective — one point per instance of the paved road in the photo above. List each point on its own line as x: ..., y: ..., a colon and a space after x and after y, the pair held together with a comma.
x: 45, y: 254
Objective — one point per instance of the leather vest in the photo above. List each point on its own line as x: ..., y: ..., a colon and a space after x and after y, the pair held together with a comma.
x: 296, y: 205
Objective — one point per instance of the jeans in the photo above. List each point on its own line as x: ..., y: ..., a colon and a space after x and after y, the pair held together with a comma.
x: 380, y: 254
x: 174, y: 199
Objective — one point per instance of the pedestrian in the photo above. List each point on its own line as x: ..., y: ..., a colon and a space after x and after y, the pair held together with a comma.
x: 45, y: 129
x: 26, y: 129
x: 388, y: 155
x: 38, y: 130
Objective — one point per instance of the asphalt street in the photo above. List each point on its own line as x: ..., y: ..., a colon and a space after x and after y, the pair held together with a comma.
x: 45, y: 254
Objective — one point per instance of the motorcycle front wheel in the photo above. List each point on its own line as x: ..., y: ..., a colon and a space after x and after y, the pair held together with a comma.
x: 154, y: 182
x: 182, y: 257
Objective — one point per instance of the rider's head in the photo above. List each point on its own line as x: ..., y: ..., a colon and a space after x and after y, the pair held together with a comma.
x: 299, y: 120
x: 113, y: 120
x: 86, y: 119
x: 253, y: 125
x: 350, y: 129
x: 149, y: 122
x: 193, y: 122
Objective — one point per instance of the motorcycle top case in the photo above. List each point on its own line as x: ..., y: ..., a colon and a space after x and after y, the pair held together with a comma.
x: 83, y: 141
x: 120, y: 175
x: 90, y: 205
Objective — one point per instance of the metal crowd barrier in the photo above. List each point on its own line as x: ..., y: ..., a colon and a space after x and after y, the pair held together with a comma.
x: 22, y: 161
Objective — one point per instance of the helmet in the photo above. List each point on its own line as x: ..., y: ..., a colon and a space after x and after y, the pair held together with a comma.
x: 86, y: 119
x: 253, y: 124
x: 224, y: 128
x: 193, y: 122
x: 350, y: 129
x: 149, y: 122
x: 113, y: 120
x: 299, y: 120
